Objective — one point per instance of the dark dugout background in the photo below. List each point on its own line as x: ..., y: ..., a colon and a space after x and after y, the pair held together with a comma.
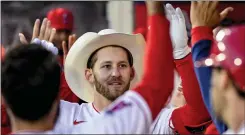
x: 19, y: 16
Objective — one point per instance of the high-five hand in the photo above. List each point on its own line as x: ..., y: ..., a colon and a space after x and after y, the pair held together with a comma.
x: 45, y: 33
x: 43, y: 36
x: 178, y: 32
x: 205, y: 13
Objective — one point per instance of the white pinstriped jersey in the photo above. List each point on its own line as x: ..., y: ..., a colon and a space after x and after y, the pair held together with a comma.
x: 129, y: 114
x: 72, y: 114
x: 162, y: 123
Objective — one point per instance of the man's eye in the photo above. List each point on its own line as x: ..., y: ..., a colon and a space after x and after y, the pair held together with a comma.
x: 106, y: 66
x: 123, y: 65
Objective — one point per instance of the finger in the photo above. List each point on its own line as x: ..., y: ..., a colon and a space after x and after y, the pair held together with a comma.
x: 200, y: 2
x: 47, y: 31
x: 213, y: 5
x: 206, y: 4
x: 168, y: 15
x: 65, y: 50
x: 69, y: 41
x: 43, y: 28
x: 172, y: 11
x: 180, y: 14
x: 74, y: 37
x: 36, y: 26
x: 53, y: 32
x: 193, y: 4
x: 23, y: 38
x: 225, y: 12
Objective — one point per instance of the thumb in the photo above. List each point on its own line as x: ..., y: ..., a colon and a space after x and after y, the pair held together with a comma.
x: 225, y: 12
x: 23, y: 38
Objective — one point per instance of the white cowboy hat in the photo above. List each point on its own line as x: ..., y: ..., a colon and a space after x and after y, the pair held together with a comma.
x: 78, y: 55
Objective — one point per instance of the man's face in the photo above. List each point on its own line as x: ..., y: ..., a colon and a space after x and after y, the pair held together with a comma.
x: 60, y: 36
x: 112, y: 72
x: 217, y: 94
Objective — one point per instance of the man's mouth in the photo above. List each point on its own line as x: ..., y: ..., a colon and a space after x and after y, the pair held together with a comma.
x: 115, y: 83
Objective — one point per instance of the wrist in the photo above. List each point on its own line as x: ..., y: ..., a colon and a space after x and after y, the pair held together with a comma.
x: 198, y: 25
x: 155, y: 7
x: 201, y: 33
x: 181, y: 53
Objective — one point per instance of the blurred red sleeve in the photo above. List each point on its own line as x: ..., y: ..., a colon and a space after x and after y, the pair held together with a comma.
x: 5, y: 124
x: 65, y: 91
x: 211, y: 129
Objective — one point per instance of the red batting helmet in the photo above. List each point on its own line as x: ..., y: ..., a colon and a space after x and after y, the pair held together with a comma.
x: 228, y: 52
x: 61, y: 18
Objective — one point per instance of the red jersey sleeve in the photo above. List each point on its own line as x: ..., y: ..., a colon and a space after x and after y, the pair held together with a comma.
x: 65, y: 91
x: 157, y: 82
x: 194, y: 114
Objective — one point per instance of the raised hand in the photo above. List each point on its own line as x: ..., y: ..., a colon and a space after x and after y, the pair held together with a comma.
x: 66, y: 48
x: 178, y: 31
x: 205, y: 13
x: 43, y: 36
x: 44, y: 33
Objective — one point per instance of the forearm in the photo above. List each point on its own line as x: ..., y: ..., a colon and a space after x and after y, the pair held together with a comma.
x: 195, y: 110
x: 201, y: 41
x: 158, y: 54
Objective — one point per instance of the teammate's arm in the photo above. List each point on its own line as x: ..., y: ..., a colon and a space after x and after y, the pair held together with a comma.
x: 204, y: 16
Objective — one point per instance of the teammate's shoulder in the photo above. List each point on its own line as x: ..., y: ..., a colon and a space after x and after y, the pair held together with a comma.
x: 68, y: 105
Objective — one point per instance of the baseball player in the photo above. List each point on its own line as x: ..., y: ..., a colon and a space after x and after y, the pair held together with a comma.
x: 62, y: 20
x: 227, y: 75
x: 193, y: 116
x: 199, y: 11
x: 99, y: 68
x: 27, y: 72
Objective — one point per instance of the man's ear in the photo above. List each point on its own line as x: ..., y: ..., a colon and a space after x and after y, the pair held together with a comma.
x: 132, y: 74
x: 89, y: 75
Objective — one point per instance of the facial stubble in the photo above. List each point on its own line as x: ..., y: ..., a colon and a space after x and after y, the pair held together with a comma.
x: 106, y: 92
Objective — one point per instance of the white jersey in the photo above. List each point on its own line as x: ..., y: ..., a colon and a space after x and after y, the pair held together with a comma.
x: 163, y: 124
x: 128, y: 114
x: 72, y: 113
x: 57, y: 130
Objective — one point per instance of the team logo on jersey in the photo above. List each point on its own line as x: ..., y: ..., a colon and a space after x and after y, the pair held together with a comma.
x: 65, y: 18
x: 118, y: 107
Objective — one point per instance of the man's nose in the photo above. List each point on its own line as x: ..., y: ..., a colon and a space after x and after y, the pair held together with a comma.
x: 116, y: 72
